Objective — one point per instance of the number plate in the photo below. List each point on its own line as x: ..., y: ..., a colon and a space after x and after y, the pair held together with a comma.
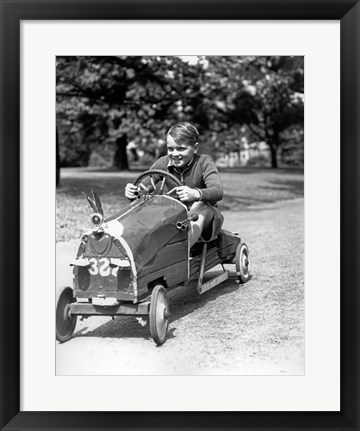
x: 105, y: 267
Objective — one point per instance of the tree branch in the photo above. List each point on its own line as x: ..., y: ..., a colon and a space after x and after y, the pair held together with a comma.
x: 255, y: 132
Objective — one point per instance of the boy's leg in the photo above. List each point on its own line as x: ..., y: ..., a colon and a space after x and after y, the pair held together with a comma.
x: 203, y: 222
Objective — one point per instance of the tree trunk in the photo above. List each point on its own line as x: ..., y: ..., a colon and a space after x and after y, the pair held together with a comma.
x: 120, y: 156
x: 274, y: 146
x: 57, y: 159
x: 274, y: 162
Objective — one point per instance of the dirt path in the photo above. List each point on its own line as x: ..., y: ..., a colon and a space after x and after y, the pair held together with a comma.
x: 257, y: 328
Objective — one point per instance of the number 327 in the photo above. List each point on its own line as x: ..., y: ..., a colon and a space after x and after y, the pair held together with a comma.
x: 102, y: 267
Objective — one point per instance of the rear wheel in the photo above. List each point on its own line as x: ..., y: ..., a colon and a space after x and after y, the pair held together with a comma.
x: 65, y: 323
x: 159, y: 314
x: 242, y: 262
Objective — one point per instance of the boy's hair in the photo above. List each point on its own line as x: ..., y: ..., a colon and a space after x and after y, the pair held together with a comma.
x: 184, y: 133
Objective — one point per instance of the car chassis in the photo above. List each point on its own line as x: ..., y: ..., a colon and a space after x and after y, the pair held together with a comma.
x: 127, y: 263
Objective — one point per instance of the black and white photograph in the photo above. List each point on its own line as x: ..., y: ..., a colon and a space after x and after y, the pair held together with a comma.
x: 180, y: 215
x: 179, y: 222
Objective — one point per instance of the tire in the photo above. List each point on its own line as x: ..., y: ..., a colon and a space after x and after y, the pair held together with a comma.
x: 65, y: 324
x: 242, y: 262
x: 159, y: 314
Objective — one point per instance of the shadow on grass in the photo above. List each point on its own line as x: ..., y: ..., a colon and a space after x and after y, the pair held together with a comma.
x: 267, y: 185
x: 296, y: 187
x: 132, y: 171
x: 73, y: 187
x: 265, y: 170
x: 276, y: 190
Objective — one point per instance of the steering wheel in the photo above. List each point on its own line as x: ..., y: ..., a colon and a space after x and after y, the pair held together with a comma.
x: 165, y: 176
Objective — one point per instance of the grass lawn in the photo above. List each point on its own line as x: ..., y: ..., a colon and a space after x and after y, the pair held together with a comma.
x: 244, y: 188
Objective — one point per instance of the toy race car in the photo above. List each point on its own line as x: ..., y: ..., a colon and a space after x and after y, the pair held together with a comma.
x: 127, y: 263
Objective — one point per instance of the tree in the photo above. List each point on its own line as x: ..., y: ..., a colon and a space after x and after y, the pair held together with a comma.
x: 113, y: 99
x: 57, y: 159
x: 271, y: 99
x: 118, y: 99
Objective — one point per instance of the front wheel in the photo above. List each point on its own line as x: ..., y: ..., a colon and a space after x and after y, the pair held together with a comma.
x: 159, y: 314
x: 65, y: 323
x: 242, y: 262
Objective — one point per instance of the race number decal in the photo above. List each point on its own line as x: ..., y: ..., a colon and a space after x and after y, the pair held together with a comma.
x: 102, y: 267
x: 93, y: 266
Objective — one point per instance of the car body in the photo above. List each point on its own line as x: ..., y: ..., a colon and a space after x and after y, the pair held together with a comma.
x: 127, y: 263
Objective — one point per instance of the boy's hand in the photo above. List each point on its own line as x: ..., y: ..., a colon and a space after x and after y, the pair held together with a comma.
x: 186, y: 194
x: 130, y: 190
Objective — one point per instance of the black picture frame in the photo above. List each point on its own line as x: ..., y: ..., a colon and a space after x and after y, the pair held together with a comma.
x: 12, y: 12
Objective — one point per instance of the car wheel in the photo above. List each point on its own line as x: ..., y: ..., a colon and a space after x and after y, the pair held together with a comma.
x: 242, y: 262
x: 65, y: 323
x: 159, y: 314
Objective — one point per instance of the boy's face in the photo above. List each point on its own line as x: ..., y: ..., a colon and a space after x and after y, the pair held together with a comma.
x: 181, y: 154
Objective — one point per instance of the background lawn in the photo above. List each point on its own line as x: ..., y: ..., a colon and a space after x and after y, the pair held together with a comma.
x: 243, y: 189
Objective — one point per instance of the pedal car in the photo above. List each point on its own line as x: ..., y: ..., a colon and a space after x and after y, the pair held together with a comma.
x: 127, y: 263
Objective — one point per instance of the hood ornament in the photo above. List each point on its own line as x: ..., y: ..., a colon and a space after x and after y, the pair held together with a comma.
x: 94, y: 202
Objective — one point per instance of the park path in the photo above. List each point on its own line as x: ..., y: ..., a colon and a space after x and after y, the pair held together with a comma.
x: 251, y: 329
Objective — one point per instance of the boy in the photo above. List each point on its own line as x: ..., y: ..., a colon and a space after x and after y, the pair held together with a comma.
x: 202, y: 186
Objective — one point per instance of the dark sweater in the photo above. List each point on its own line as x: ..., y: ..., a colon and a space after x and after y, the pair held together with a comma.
x: 200, y: 174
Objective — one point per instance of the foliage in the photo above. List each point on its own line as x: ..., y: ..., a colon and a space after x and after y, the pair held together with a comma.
x: 271, y: 100
x: 117, y: 99
x: 107, y: 99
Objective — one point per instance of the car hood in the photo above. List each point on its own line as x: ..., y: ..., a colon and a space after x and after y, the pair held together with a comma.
x: 148, y: 226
